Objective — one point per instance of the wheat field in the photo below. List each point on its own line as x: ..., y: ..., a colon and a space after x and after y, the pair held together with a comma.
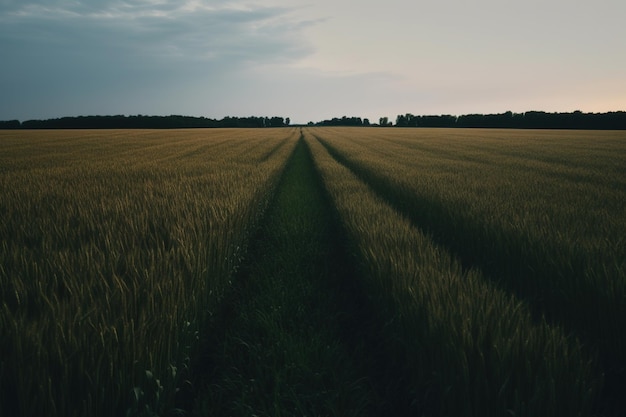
x: 469, y: 272
x: 114, y: 248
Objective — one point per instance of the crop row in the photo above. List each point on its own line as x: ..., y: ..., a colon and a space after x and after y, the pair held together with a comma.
x: 114, y: 249
x: 469, y: 347
x: 539, y: 212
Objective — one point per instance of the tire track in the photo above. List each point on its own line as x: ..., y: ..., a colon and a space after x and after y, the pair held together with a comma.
x: 291, y: 338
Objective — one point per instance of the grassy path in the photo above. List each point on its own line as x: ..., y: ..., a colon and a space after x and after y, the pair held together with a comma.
x: 288, y: 344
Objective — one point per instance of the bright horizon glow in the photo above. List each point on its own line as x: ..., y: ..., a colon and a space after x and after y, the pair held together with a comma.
x: 309, y: 61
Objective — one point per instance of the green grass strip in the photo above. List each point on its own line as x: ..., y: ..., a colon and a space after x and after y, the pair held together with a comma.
x: 281, y: 348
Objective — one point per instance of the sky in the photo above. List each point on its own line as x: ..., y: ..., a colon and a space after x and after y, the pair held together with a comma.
x: 309, y: 60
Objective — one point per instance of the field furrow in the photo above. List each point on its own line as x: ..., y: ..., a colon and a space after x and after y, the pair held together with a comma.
x: 285, y: 341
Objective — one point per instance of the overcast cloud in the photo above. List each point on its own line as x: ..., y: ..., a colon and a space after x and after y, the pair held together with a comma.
x: 309, y: 61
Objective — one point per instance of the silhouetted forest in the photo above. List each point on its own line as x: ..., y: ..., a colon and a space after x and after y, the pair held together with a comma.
x: 344, y: 121
x: 144, y: 122
x: 527, y: 120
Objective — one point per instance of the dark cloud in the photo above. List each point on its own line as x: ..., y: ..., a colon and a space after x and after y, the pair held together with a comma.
x: 177, y: 29
x: 73, y: 52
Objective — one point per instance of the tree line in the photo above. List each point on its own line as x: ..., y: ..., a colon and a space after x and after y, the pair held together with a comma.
x: 144, y: 122
x: 343, y: 121
x: 527, y: 120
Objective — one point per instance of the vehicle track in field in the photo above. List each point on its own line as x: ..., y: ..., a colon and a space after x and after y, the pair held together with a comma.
x: 296, y: 335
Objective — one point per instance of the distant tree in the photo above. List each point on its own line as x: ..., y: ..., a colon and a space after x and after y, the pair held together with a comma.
x: 344, y: 121
x: 277, y: 122
x: 10, y: 124
x: 287, y: 121
x: 384, y: 121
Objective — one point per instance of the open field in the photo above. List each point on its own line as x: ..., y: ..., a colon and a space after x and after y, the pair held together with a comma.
x: 320, y: 271
x: 114, y: 247
x: 541, y: 213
